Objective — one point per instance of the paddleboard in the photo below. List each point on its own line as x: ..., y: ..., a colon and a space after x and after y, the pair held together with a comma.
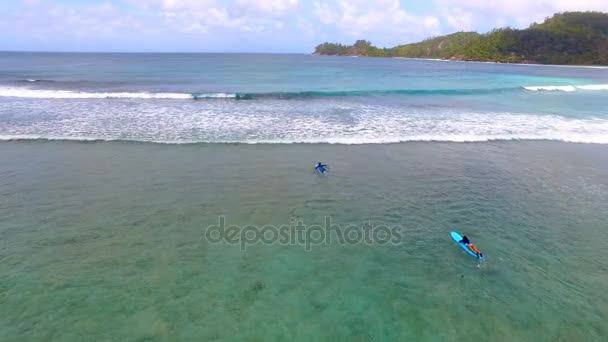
x: 457, y: 238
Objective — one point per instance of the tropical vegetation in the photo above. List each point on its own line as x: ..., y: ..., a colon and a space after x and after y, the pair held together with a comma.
x: 565, y: 38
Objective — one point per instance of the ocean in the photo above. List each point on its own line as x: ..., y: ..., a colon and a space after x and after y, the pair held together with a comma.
x: 122, y: 175
x: 190, y: 98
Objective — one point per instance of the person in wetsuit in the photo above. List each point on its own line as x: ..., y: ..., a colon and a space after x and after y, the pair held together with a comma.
x: 471, y: 247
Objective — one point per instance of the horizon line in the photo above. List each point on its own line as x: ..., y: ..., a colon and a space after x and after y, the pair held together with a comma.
x: 159, y: 52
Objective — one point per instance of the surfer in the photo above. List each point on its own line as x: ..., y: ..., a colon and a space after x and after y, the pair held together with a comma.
x: 320, y: 167
x: 465, y: 240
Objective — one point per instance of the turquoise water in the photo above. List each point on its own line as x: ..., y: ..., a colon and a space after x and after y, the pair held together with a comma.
x: 186, y: 98
x: 115, y: 170
x: 105, y: 241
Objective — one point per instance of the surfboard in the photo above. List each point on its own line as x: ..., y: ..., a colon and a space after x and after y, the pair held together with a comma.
x: 321, y: 171
x: 456, y: 237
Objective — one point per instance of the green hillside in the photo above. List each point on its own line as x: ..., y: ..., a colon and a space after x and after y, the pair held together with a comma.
x: 565, y: 38
x: 439, y: 47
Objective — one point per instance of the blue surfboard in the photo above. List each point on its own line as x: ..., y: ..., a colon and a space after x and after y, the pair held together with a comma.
x: 457, y: 238
x: 321, y: 171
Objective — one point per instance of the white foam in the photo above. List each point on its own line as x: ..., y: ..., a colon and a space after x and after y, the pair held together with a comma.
x: 331, y: 141
x: 66, y: 94
x: 216, y: 96
x: 568, y: 88
x: 593, y: 87
x: 339, y: 121
x: 271, y: 123
x: 51, y: 138
x: 552, y: 88
x: 23, y: 92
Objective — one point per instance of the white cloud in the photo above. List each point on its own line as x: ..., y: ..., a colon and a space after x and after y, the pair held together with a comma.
x: 236, y: 22
x: 203, y: 16
x: 268, y: 7
x: 44, y: 20
x: 382, y: 18
x: 326, y: 14
x: 458, y: 19
x: 187, y: 5
x: 462, y: 14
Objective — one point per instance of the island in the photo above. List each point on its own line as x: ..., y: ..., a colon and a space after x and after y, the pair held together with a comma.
x: 576, y: 38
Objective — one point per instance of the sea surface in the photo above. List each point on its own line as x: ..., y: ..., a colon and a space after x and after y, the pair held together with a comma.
x: 115, y: 168
x: 185, y: 98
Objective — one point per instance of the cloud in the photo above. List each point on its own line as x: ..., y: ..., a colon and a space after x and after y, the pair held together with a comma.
x: 325, y: 13
x: 256, y: 24
x: 267, y: 7
x: 204, y: 16
x: 46, y: 20
x: 383, y: 20
x: 458, y: 19
x: 173, y: 5
x: 485, y: 14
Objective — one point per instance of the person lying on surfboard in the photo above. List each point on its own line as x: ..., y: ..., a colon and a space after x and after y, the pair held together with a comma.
x: 471, y: 246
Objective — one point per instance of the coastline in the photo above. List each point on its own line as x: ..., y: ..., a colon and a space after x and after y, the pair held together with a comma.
x: 470, y: 61
x: 567, y: 38
x: 497, y: 62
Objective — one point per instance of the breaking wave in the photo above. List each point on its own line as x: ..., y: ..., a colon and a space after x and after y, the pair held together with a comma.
x: 236, y: 124
x: 24, y: 92
x: 568, y: 88
x: 331, y: 141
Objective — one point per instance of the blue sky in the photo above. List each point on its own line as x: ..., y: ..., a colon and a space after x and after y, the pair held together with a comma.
x: 254, y: 25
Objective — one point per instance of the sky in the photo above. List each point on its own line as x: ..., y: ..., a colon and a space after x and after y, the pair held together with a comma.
x: 255, y: 25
